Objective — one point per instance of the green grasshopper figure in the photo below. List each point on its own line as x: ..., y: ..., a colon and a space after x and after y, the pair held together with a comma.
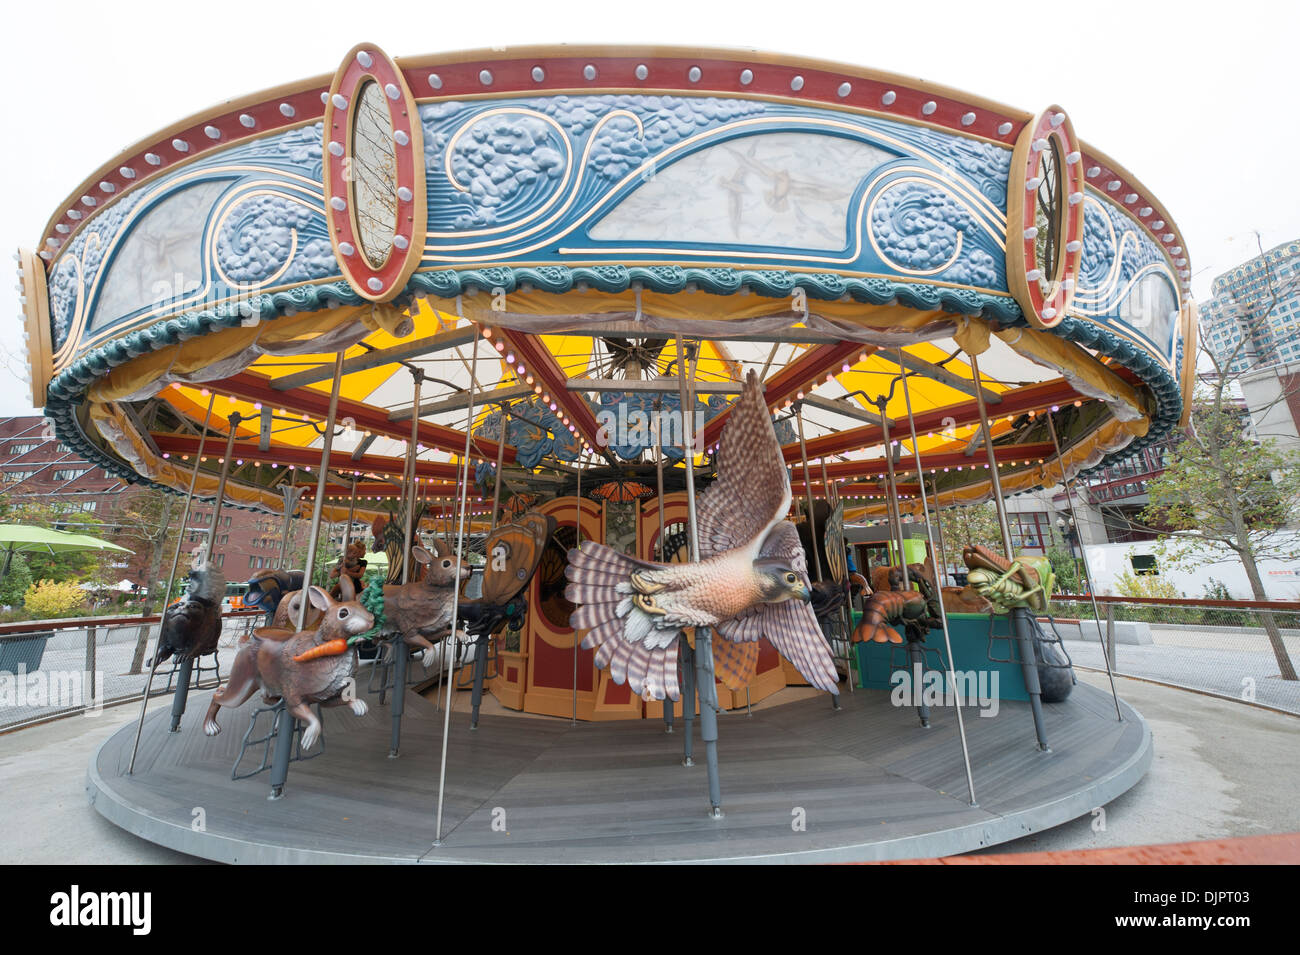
x: 1026, y: 581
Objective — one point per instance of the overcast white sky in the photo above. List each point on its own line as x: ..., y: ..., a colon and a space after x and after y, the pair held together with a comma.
x: 1196, y: 99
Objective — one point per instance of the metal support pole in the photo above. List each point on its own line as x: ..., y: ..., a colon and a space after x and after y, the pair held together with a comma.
x: 1109, y: 644
x: 846, y: 610
x: 938, y: 591
x: 942, y: 574
x: 286, y: 528
x: 1108, y: 652
x: 501, y: 454
x: 182, y: 693
x: 171, y: 582
x: 891, y: 490
x: 807, y: 492
x: 480, y: 673
x: 687, y: 657
x: 411, y: 489
x: 707, y: 686
x: 455, y: 606
x: 284, y: 733
x: 663, y: 556
x: 577, y: 529
x: 916, y: 659
x: 401, y: 652
x: 90, y: 657
x: 1022, y: 627
x: 812, y: 524
x: 347, y: 530
x: 829, y: 491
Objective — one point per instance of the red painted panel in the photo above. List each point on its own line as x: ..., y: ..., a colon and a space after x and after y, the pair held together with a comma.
x: 616, y: 695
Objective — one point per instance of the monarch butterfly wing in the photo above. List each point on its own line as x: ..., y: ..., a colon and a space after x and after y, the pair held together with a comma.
x: 513, y: 553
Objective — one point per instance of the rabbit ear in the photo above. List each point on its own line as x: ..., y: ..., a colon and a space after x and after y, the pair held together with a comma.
x: 421, y: 555
x: 347, y: 590
x: 440, y: 547
x: 319, y: 598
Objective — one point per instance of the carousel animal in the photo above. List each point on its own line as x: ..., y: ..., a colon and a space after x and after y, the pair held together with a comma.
x: 886, y: 578
x: 192, y: 626
x: 955, y: 599
x: 1023, y: 583
x: 420, y: 610
x: 514, y: 553
x: 1026, y: 581
x: 827, y: 598
x: 416, y: 610
x: 288, y: 609
x: 964, y: 600
x: 751, y: 580
x: 298, y: 667
x: 390, y: 537
x: 353, y: 564
x: 820, y: 520
x: 267, y: 588
x: 891, y: 578
x: 916, y: 610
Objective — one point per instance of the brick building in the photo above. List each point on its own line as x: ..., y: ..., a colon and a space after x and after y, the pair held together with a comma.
x: 36, y: 468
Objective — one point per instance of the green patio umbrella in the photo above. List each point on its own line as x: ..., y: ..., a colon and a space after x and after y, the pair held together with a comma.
x: 24, y: 538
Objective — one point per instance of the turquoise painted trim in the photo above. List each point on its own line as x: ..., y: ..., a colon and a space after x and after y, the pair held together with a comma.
x: 671, y: 279
x: 69, y: 386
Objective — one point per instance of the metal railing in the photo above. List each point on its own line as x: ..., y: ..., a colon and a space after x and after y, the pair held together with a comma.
x: 1228, y: 648
x: 53, y: 668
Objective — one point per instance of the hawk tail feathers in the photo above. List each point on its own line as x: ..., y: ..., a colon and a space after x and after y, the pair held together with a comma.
x: 618, y: 630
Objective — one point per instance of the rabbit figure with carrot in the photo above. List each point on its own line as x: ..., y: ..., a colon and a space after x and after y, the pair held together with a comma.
x: 315, y: 665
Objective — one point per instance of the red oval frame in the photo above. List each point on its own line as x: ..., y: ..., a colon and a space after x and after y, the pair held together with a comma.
x: 1044, y: 307
x: 386, y: 282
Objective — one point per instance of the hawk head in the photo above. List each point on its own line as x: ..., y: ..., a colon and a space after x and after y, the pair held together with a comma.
x: 778, y: 581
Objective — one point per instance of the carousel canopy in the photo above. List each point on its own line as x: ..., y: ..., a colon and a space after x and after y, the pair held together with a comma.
x: 548, y: 240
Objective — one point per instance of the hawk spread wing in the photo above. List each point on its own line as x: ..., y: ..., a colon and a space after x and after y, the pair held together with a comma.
x: 790, y: 626
x: 752, y: 491
x: 634, y: 610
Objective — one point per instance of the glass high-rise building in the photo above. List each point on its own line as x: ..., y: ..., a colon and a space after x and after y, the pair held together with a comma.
x: 1254, y: 311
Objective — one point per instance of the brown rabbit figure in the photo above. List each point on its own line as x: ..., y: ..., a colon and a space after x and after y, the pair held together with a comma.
x: 421, y: 609
x: 286, y: 611
x: 266, y: 661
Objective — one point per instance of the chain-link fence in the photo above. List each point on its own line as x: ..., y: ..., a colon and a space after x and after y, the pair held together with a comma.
x: 1242, y: 650
x: 58, y: 667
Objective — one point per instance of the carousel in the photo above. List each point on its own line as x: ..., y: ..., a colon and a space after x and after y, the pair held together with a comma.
x: 614, y: 353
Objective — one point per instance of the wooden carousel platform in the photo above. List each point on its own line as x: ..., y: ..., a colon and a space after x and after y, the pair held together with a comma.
x: 871, y: 782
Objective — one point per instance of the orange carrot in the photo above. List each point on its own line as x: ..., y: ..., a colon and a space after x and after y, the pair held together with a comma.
x: 330, y: 648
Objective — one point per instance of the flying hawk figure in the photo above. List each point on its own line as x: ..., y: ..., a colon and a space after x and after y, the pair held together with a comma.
x: 751, y: 580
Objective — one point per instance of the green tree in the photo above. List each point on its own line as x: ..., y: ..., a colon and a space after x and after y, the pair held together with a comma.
x: 968, y: 526
x: 1226, y: 494
x: 53, y: 598
x: 1066, y: 568
x: 75, y: 566
x: 327, y: 553
x: 16, y: 582
x: 143, y: 524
